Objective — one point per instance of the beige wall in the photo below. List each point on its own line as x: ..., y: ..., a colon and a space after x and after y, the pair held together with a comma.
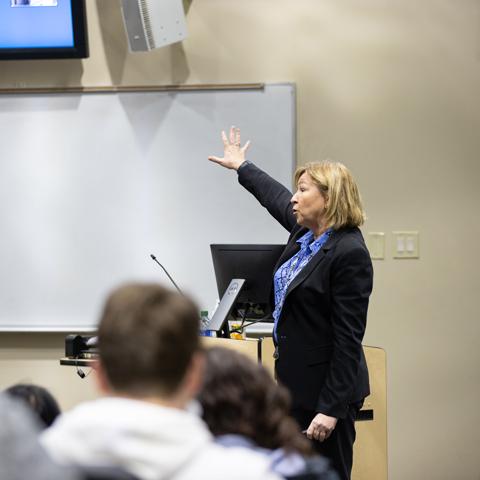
x: 391, y: 88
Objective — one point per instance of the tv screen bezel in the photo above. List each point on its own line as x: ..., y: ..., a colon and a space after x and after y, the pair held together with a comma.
x: 80, y: 41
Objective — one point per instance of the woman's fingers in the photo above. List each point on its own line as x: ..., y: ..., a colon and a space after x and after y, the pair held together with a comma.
x: 245, y: 147
x: 224, y: 138
x: 216, y: 159
x: 237, y: 137
x: 233, y: 139
x: 232, y: 135
x: 233, y: 153
x: 321, y: 427
x: 318, y: 433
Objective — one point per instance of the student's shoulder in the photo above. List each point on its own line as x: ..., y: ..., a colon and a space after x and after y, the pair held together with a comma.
x: 232, y: 463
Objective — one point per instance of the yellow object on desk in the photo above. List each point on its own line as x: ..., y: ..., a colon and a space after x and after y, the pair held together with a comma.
x: 237, y: 335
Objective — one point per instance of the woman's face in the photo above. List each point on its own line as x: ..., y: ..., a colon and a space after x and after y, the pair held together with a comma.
x: 308, y: 203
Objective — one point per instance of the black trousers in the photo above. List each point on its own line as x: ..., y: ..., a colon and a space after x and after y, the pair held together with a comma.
x: 338, y: 447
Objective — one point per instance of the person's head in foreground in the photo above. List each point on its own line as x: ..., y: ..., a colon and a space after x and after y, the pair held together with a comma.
x: 21, y: 455
x: 239, y: 396
x: 149, y: 345
x: 243, y: 406
x: 38, y: 399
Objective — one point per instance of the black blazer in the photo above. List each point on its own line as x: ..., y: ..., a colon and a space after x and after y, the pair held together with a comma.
x: 323, y: 320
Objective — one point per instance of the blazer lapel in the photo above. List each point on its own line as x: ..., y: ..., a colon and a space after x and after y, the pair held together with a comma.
x: 315, y: 260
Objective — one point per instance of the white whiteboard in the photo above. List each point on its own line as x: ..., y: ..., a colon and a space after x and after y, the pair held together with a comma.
x: 92, y: 184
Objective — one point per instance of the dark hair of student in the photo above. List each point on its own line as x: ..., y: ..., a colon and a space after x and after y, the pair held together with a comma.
x: 147, y: 337
x: 240, y: 397
x: 38, y: 399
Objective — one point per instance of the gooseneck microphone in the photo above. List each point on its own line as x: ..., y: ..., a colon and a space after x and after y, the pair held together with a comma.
x: 154, y: 258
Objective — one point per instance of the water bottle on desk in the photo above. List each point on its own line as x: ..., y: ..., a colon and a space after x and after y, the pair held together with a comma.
x: 204, y: 324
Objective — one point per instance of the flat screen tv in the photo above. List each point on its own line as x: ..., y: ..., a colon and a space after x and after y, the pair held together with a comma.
x: 42, y: 29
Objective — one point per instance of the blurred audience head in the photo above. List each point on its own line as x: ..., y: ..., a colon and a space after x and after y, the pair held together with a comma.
x: 238, y: 396
x: 21, y: 455
x: 148, y: 342
x: 38, y: 399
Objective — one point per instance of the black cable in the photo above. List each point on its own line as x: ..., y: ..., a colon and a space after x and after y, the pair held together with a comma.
x: 249, y: 306
x: 246, y: 325
x: 242, y: 323
x: 80, y: 372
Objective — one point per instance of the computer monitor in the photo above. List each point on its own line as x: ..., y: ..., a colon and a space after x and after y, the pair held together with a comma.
x: 43, y: 29
x: 255, y: 264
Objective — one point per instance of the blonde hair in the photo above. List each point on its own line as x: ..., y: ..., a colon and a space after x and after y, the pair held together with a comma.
x: 344, y: 206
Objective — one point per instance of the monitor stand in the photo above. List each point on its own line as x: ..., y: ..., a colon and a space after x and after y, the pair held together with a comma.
x: 219, y: 320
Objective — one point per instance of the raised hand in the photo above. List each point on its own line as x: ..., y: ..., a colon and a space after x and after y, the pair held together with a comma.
x: 233, y: 152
